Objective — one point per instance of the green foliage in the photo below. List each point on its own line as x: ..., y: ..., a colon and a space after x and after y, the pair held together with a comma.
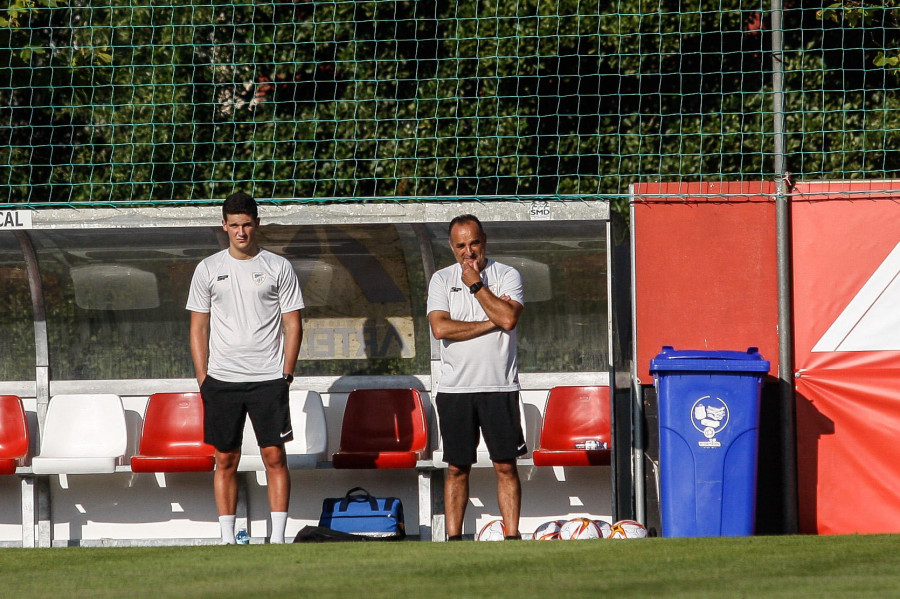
x: 854, y: 13
x: 20, y: 20
x: 18, y: 11
x: 857, y: 14
x: 137, y: 101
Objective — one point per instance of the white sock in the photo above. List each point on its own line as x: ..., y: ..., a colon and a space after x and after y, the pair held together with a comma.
x: 226, y: 523
x: 279, y: 522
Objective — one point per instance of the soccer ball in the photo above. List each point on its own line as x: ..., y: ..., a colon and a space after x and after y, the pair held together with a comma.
x: 605, y: 528
x: 579, y: 528
x: 628, y: 529
x: 494, y: 530
x: 548, y: 531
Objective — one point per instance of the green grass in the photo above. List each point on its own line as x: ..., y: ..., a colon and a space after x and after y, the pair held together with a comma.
x: 796, y: 566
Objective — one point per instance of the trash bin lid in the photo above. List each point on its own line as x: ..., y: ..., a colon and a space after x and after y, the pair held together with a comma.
x: 707, y: 360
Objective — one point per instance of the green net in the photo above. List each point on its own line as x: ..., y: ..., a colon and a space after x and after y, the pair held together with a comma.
x: 145, y: 101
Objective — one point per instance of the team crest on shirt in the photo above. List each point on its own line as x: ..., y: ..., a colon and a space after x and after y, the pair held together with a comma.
x: 259, y: 277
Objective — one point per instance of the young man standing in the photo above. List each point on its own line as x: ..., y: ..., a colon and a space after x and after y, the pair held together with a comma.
x: 245, y: 336
x: 473, y: 308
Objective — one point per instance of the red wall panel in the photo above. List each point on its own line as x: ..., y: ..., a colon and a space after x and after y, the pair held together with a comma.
x: 846, y: 257
x: 705, y: 268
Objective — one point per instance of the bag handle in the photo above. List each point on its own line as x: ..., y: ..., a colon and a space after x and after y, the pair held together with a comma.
x: 364, y: 496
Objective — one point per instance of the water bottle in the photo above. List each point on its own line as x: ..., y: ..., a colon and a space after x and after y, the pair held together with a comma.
x: 242, y: 538
x: 592, y: 445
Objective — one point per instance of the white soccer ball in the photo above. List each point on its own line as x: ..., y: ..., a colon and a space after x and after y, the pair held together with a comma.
x: 605, y: 528
x: 579, y: 528
x: 628, y: 529
x: 494, y: 530
x: 548, y: 531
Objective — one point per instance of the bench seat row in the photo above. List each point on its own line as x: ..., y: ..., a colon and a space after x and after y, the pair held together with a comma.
x: 381, y: 428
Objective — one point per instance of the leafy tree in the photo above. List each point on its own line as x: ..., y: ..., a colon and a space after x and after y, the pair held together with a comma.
x: 144, y: 101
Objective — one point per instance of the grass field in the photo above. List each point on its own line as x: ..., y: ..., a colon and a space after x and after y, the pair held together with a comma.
x: 795, y: 566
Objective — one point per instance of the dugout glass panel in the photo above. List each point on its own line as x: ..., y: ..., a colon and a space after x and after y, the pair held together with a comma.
x: 17, y: 352
x: 363, y: 289
x: 116, y: 298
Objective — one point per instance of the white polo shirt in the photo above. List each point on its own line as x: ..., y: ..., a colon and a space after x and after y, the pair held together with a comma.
x: 245, y: 300
x: 487, y: 363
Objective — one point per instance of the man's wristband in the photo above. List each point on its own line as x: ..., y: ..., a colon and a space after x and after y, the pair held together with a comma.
x: 288, y: 378
x: 474, y: 287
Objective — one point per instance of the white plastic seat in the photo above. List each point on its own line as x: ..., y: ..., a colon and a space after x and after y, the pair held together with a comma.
x: 310, y: 441
x: 83, y: 434
x: 482, y: 456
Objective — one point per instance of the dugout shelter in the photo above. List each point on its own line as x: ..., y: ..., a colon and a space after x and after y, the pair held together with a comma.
x: 94, y: 307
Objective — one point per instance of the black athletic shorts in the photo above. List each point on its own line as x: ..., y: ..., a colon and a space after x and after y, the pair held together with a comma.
x: 495, y: 413
x: 226, y: 405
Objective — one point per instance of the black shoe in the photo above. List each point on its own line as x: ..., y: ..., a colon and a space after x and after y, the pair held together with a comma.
x: 455, y: 538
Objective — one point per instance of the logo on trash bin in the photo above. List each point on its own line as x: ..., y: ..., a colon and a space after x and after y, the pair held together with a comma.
x: 709, y: 415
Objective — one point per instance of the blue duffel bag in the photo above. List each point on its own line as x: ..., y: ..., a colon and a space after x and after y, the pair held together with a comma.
x: 358, y: 512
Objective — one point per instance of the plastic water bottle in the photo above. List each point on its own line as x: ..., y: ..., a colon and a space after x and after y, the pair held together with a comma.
x: 242, y: 538
x: 592, y: 445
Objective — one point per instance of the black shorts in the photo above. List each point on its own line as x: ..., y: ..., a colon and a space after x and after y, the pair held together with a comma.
x: 495, y: 413
x: 226, y: 405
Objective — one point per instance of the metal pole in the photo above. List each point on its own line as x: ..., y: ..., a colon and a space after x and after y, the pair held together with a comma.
x: 637, y: 425
x: 36, y: 528
x: 785, y: 307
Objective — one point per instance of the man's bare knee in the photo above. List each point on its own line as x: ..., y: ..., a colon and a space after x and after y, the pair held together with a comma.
x: 273, y: 457
x: 458, y: 471
x: 227, y: 460
x: 506, y: 469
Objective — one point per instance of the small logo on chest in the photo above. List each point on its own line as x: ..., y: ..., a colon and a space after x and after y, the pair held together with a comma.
x: 259, y: 277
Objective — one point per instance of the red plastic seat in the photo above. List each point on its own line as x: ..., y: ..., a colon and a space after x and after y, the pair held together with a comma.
x: 382, y: 428
x: 172, y: 436
x: 573, y: 416
x: 13, y: 433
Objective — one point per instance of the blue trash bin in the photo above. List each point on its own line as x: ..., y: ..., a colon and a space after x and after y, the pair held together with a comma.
x: 708, y: 440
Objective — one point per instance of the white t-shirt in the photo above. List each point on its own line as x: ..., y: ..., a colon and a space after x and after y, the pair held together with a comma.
x: 485, y: 363
x: 245, y: 300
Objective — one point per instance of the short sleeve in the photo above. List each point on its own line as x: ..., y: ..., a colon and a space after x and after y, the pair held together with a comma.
x: 438, y: 298
x: 511, y: 285
x: 199, y: 294
x: 290, y: 298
